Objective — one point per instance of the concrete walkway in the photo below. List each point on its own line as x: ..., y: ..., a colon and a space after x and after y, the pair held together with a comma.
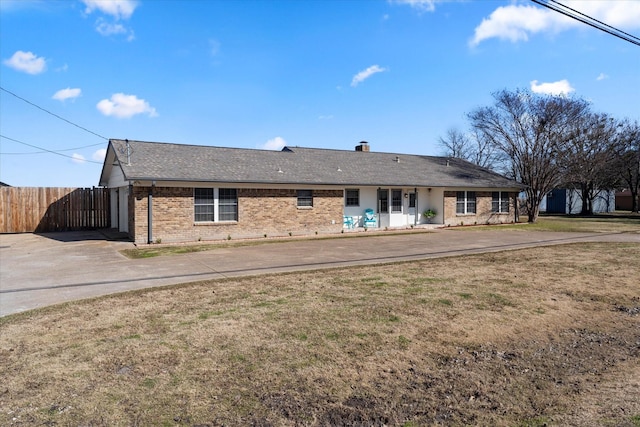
x: 40, y: 270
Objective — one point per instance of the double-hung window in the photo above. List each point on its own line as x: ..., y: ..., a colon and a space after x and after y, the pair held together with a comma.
x: 352, y: 197
x: 396, y: 200
x: 227, y: 204
x: 215, y: 204
x: 204, y: 205
x: 465, y: 202
x: 383, y: 200
x: 499, y: 202
x: 305, y: 198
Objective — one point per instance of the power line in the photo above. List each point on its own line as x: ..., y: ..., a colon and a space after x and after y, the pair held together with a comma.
x: 53, y: 114
x: 46, y: 151
x: 594, y: 19
x: 585, y: 19
x: 59, y: 151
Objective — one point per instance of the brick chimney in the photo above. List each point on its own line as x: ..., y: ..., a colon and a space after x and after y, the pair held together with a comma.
x: 363, y: 146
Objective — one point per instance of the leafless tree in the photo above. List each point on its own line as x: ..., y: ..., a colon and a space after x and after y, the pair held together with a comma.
x: 529, y: 130
x: 455, y: 144
x: 628, y: 159
x: 587, y: 158
x: 473, y: 147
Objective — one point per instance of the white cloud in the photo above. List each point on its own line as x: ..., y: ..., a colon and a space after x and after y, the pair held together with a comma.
x: 602, y: 76
x: 125, y: 106
x: 99, y: 155
x: 78, y: 158
x: 277, y: 143
x: 325, y: 117
x: 68, y: 93
x: 27, y: 62
x: 109, y: 29
x: 119, y: 9
x: 518, y: 22
x: 365, y: 74
x: 618, y: 13
x: 423, y: 5
x: 561, y: 87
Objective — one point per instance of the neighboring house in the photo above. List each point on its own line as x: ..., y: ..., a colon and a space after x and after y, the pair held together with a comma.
x: 2, y: 184
x: 624, y: 200
x: 569, y: 201
x: 191, y: 193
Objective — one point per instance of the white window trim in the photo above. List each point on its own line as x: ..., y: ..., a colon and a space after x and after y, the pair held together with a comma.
x: 298, y: 205
x: 466, y: 203
x: 345, y: 197
x: 400, y: 206
x: 501, y: 199
x: 216, y: 205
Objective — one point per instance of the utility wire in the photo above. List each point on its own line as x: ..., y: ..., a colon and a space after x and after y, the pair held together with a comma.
x: 585, y: 19
x: 57, y: 151
x: 66, y: 149
x: 48, y: 151
x: 594, y: 19
x: 53, y: 114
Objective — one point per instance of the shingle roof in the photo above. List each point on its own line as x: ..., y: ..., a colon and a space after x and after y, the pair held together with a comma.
x: 295, y: 165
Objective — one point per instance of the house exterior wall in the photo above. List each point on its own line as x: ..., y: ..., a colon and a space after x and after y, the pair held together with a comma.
x: 569, y: 201
x: 623, y: 200
x: 483, y: 213
x: 271, y: 212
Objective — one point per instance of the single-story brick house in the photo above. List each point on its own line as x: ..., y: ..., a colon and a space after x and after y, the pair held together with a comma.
x: 192, y: 193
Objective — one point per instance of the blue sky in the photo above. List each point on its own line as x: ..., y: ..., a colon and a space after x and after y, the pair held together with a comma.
x: 260, y: 74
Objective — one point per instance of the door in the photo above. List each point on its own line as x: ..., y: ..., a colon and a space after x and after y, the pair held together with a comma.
x: 396, y: 215
x: 383, y: 207
x: 410, y: 208
x: 123, y: 209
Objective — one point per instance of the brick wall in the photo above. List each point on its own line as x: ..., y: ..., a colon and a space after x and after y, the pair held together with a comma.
x: 273, y: 212
x: 483, y: 213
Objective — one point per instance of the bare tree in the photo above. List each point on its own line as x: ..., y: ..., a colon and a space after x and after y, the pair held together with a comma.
x: 455, y: 144
x: 587, y: 158
x: 530, y: 131
x: 473, y: 147
x: 628, y: 159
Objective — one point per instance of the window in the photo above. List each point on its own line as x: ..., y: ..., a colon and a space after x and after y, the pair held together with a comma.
x: 383, y: 200
x: 305, y: 198
x: 227, y: 204
x: 204, y: 204
x: 396, y: 200
x: 465, y: 202
x: 352, y: 197
x: 500, y: 202
x: 214, y: 205
x: 412, y: 200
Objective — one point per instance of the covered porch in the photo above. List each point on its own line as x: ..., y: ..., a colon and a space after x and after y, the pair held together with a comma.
x: 398, y: 207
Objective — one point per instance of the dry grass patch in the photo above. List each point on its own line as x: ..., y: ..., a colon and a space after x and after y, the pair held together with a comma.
x: 602, y: 223
x: 544, y: 336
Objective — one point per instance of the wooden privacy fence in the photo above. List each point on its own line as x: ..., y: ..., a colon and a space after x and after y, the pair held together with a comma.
x: 44, y: 209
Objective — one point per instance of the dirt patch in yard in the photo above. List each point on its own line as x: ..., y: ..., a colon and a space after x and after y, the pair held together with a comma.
x: 543, y: 336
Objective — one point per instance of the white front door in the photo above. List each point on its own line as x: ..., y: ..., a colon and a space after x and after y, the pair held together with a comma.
x: 396, y: 207
x: 410, y: 208
x: 123, y: 209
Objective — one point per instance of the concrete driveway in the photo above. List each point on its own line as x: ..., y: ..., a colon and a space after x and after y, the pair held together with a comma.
x: 40, y: 270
